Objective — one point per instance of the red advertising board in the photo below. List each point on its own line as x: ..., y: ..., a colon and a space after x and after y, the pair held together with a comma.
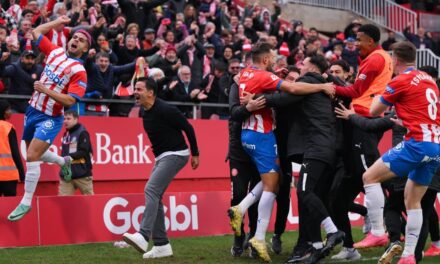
x: 82, y: 219
x: 122, y: 150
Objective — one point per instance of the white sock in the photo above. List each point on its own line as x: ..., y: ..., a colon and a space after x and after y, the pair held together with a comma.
x: 374, y: 200
x: 317, y: 245
x: 264, y: 213
x: 436, y: 243
x: 30, y: 184
x: 52, y: 157
x: 412, y: 231
x: 329, y: 226
x: 251, y: 197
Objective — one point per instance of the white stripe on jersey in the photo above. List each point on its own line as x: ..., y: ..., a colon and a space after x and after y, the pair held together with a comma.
x: 427, y: 134
x: 260, y: 123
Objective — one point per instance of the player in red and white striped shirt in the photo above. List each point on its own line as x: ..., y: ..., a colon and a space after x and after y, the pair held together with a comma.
x: 62, y: 83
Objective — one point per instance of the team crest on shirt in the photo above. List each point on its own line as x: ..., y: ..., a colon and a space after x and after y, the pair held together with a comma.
x: 362, y: 76
x: 49, y: 124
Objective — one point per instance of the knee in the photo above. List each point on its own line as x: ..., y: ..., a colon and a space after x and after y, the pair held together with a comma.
x: 32, y: 156
x: 411, y: 203
x: 368, y: 178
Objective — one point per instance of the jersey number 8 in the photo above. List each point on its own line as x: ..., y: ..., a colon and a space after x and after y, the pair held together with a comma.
x: 432, y: 100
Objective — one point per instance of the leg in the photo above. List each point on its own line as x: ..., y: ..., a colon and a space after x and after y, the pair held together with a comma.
x: 163, y: 173
x: 374, y: 197
x: 394, y: 206
x: 413, y: 195
x: 160, y: 237
x: 85, y: 185
x: 427, y: 203
x: 66, y: 188
x: 9, y: 188
x: 434, y: 231
x: 358, y: 209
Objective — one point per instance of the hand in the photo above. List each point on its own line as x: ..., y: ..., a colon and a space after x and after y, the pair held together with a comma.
x: 92, y: 53
x: 195, y: 162
x: 257, y: 104
x: 397, y: 121
x: 119, y: 37
x: 5, y: 56
x: 39, y: 87
x: 329, y: 89
x: 63, y: 20
x: 173, y: 84
x: 246, y: 98
x: 236, y: 78
x: 202, y: 96
x: 178, y: 63
x: 160, y: 43
x: 282, y: 73
x: 194, y: 93
x: 343, y: 113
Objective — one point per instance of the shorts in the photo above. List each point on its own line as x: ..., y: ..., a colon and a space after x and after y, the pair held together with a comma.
x: 262, y: 148
x: 417, y: 160
x: 41, y: 126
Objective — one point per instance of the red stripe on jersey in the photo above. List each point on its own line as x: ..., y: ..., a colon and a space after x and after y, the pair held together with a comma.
x: 43, y: 109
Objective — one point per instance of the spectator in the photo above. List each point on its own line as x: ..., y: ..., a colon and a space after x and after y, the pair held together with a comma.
x: 422, y: 40
x: 211, y: 89
x: 129, y: 52
x: 225, y: 82
x: 10, y: 160
x: 340, y: 69
x: 10, y: 22
x: 351, y: 30
x: 350, y: 54
x: 22, y: 75
x: 170, y: 63
x: 76, y: 144
x: 183, y: 90
x: 148, y: 41
x: 192, y: 54
x: 293, y: 73
x: 386, y: 45
x: 140, y: 12
x: 294, y: 37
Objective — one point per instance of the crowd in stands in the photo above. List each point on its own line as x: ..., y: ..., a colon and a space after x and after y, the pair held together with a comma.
x: 192, y: 48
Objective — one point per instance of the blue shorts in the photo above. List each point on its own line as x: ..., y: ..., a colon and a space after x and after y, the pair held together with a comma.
x: 41, y: 126
x: 417, y: 160
x: 262, y: 148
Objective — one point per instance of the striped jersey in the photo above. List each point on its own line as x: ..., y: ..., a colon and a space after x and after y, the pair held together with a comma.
x: 257, y: 81
x: 415, y: 95
x: 62, y: 74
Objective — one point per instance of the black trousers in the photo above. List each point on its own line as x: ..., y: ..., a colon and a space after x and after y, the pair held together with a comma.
x: 313, y: 191
x: 394, y: 221
x: 283, y: 196
x: 8, y: 188
x: 433, y: 226
x: 244, y: 177
x: 349, y: 189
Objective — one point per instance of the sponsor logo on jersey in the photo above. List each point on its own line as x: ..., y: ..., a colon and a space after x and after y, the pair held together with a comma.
x: 53, y: 76
x: 389, y: 90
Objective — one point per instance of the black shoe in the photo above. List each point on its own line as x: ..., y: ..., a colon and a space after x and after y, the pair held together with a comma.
x: 300, y: 254
x: 315, y: 256
x: 332, y: 240
x: 276, y: 244
x: 246, y: 246
x: 237, y: 248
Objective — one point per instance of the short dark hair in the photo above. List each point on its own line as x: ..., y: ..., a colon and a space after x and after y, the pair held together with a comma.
x: 150, y: 84
x: 311, y: 40
x: 432, y: 71
x: 102, y: 54
x: 292, y: 68
x: 72, y: 113
x: 320, y: 62
x: 405, y: 51
x: 260, y: 49
x: 220, y: 66
x: 372, y: 31
x: 343, y: 64
x: 233, y: 60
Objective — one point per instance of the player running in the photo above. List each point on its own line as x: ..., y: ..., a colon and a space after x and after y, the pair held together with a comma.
x: 415, y: 97
x: 259, y: 142
x: 62, y: 83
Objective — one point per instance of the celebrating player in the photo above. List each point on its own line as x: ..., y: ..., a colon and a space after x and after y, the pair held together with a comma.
x: 415, y: 97
x: 259, y: 142
x: 62, y: 83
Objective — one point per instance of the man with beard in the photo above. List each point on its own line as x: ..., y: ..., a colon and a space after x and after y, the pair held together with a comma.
x: 259, y: 142
x: 22, y: 74
x: 164, y: 125
x: 62, y: 84
x: 170, y: 64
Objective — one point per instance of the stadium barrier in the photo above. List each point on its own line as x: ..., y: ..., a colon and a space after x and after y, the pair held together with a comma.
x: 57, y: 220
x: 385, y: 13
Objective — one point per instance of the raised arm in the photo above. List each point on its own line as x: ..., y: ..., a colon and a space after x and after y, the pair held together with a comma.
x: 43, y: 29
x: 300, y: 88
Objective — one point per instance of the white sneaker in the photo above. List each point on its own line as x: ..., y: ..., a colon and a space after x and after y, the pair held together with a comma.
x: 347, y: 254
x: 159, y: 252
x: 137, y: 241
